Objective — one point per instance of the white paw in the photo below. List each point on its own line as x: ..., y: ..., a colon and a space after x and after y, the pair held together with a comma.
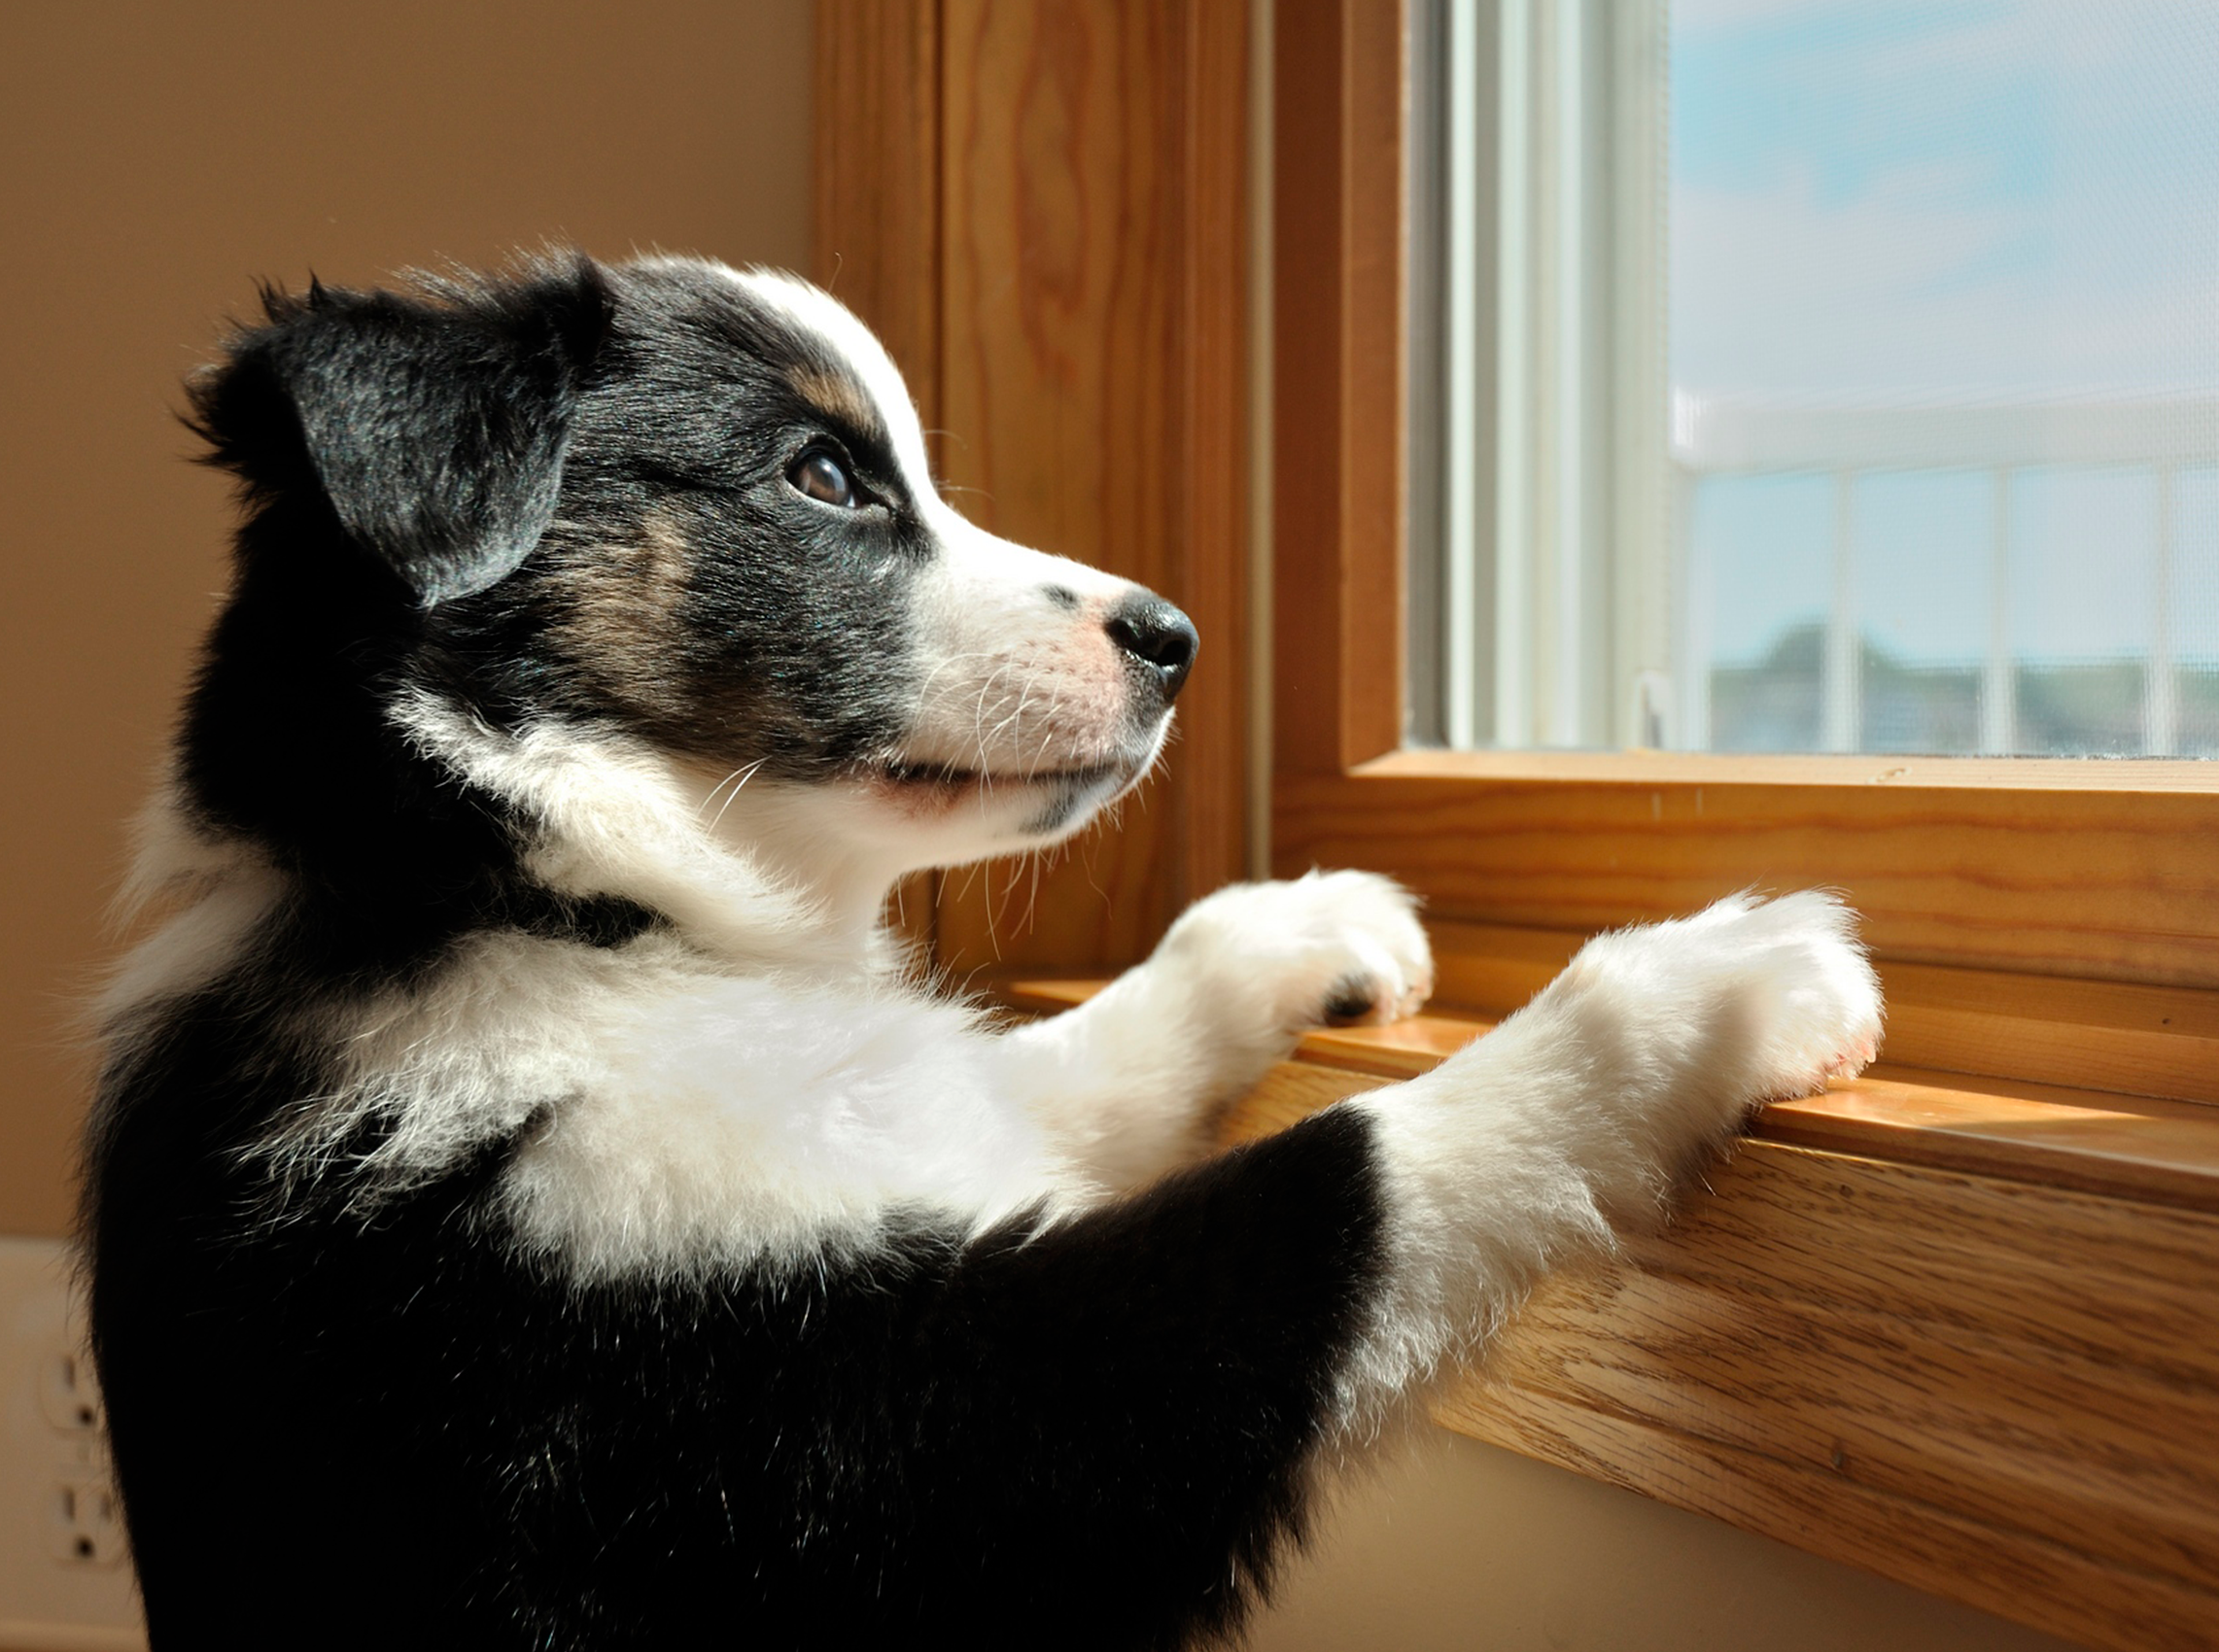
x: 1331, y: 946
x: 1770, y: 998
x: 1581, y: 1115
x: 1682, y: 1029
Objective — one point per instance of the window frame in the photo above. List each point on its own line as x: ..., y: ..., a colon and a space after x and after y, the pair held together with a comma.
x: 2077, y: 869
x: 1043, y: 212
x: 1852, y: 1346
x: 1958, y: 1331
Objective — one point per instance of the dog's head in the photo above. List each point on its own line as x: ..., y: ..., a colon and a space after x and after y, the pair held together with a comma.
x: 691, y: 507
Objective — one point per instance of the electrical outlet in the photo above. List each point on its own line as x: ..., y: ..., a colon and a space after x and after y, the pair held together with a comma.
x: 84, y: 1525
x: 65, y: 1577
x: 69, y: 1393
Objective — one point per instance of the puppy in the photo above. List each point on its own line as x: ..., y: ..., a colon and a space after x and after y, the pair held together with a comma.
x: 529, y: 1205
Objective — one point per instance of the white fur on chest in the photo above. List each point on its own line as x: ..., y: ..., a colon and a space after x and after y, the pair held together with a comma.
x: 680, y: 1117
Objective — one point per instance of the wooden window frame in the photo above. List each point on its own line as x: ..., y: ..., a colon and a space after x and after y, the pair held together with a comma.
x: 2040, y: 926
x: 2105, y: 871
x: 1958, y: 1322
x: 1043, y: 213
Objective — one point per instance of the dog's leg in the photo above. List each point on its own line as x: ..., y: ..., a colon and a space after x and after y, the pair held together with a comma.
x: 1115, y: 1414
x: 1580, y: 1114
x: 1129, y: 1080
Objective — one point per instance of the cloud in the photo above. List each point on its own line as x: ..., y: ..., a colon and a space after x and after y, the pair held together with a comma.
x: 2018, y: 197
x: 1909, y: 294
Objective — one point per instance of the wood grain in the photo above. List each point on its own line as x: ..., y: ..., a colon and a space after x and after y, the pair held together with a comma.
x: 2012, y: 1574
x: 878, y: 232
x: 1338, y: 383
x: 2103, y: 885
x: 1211, y: 464
x: 2154, y: 1041
x: 2048, y: 1135
x: 2135, y: 776
x: 2002, y: 1392
x: 2099, y: 1035
x: 877, y: 175
x: 1094, y: 162
x: 2138, y: 1148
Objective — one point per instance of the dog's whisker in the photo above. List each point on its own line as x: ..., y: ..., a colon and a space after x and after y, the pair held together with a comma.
x: 742, y: 776
x: 720, y: 785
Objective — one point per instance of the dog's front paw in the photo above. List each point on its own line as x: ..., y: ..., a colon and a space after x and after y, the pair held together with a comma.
x: 1755, y: 1000
x: 1677, y: 1031
x: 1331, y: 946
x: 1818, y: 1013
x: 1580, y: 1118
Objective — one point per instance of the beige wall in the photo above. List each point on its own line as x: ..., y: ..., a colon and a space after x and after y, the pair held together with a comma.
x: 1455, y: 1546
x: 155, y: 160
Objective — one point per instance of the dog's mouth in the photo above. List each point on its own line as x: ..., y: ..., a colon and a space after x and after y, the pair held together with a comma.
x: 1048, y: 795
x: 949, y: 777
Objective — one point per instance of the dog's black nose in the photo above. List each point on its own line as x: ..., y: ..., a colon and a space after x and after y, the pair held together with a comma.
x: 1158, y: 638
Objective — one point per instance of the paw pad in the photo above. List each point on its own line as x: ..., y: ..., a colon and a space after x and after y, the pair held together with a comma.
x: 1351, y: 998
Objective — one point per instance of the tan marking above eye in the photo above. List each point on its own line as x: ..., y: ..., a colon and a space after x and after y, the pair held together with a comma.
x: 839, y: 397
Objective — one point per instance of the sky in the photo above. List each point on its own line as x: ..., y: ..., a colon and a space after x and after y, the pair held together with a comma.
x: 1961, y: 198
x: 1878, y: 203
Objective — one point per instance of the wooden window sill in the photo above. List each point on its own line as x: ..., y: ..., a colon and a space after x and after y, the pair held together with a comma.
x: 1962, y: 1331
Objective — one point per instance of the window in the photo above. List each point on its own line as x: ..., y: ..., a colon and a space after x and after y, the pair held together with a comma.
x: 1816, y: 376
x: 1968, y: 1343
x: 2098, y: 872
x: 2039, y: 921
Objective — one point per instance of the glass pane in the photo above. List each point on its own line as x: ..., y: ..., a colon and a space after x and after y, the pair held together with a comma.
x: 1762, y: 605
x: 1817, y: 374
x: 1920, y: 550
x: 1943, y: 301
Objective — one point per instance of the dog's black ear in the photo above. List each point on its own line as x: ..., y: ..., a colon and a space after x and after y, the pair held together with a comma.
x: 434, y: 427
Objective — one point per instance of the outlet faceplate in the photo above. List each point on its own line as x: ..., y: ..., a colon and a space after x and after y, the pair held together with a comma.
x: 65, y: 1577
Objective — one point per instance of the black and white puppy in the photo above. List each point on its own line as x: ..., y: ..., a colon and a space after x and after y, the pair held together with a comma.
x: 530, y: 1207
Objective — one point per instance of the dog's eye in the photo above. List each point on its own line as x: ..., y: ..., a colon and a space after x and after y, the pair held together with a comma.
x: 823, y: 477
